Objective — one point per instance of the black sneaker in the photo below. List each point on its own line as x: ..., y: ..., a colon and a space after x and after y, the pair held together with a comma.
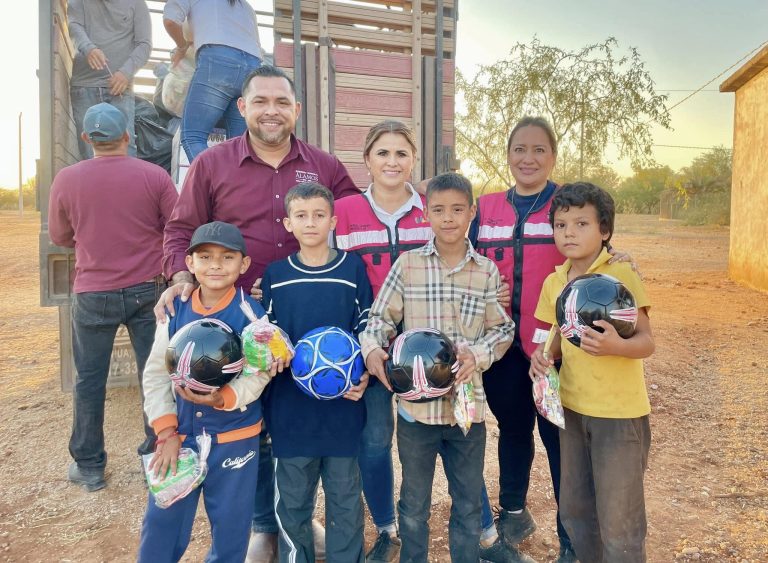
x: 514, y: 528
x: 147, y: 446
x: 386, y: 549
x: 91, y: 481
x: 499, y: 552
x: 567, y: 555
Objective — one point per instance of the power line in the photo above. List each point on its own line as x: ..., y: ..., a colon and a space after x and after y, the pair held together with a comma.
x: 689, y: 147
x: 688, y: 97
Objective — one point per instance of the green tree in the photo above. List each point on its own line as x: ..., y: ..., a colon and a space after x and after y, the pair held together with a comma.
x: 593, y: 97
x: 705, y: 187
x: 9, y: 197
x: 640, y: 193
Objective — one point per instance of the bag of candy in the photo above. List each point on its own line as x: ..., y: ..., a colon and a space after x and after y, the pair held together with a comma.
x: 464, y: 405
x: 546, y: 390
x: 263, y: 343
x: 191, y: 470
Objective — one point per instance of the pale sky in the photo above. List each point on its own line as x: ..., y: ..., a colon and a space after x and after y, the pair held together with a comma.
x: 684, y: 43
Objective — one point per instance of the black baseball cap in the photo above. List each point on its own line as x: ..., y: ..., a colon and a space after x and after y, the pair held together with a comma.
x: 218, y: 232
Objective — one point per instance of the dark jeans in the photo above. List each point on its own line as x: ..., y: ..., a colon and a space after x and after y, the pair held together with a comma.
x: 296, y: 480
x: 264, y: 507
x: 96, y: 317
x: 83, y: 97
x: 509, y: 392
x: 375, y: 457
x: 463, y: 457
x: 603, y: 503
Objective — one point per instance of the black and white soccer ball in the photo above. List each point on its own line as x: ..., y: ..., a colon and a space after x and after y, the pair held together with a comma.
x: 419, y: 365
x: 204, y: 355
x: 591, y: 297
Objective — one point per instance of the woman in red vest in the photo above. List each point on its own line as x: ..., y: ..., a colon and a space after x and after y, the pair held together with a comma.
x: 512, y: 228
x: 380, y: 224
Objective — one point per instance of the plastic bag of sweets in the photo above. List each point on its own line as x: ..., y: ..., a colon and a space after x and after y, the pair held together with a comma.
x: 263, y: 343
x: 546, y: 390
x: 191, y: 469
x: 464, y: 405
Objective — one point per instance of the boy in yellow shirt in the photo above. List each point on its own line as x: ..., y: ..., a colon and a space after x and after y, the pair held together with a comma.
x: 604, y: 447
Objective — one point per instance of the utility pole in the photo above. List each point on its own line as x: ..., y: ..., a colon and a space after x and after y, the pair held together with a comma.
x: 21, y: 193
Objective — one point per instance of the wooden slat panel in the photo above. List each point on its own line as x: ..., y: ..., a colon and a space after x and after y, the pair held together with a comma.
x: 380, y: 66
x: 417, y: 94
x: 347, y: 14
x: 428, y: 117
x: 312, y: 105
x: 350, y: 138
x: 395, y: 104
x: 359, y: 174
x: 366, y: 120
x: 352, y: 157
x: 381, y: 84
x: 394, y: 41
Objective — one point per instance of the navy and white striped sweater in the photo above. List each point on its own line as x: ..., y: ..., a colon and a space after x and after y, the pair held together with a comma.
x: 299, y: 298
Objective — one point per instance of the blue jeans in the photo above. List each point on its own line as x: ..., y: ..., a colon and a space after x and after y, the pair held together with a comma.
x: 375, y: 457
x: 213, y: 94
x: 83, y: 97
x: 96, y: 317
x: 463, y: 457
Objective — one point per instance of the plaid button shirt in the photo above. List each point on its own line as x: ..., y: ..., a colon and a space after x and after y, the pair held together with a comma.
x: 423, y: 292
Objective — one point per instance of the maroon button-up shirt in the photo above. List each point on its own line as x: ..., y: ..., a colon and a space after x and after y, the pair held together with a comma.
x: 230, y: 183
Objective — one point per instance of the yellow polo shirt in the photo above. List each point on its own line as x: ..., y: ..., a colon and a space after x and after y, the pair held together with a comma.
x: 601, y: 386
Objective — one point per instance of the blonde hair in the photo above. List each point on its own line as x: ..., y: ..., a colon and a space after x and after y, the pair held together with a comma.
x: 388, y: 126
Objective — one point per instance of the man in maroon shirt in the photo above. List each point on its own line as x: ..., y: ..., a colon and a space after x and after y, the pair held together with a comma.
x: 112, y: 210
x: 243, y: 181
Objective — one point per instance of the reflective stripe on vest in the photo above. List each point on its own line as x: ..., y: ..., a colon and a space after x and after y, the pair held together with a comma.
x: 524, y: 261
x: 359, y: 230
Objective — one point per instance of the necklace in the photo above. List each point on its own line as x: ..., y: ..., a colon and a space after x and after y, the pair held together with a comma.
x: 531, y: 208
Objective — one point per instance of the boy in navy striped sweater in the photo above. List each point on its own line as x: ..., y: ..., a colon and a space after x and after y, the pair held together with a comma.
x: 313, y: 439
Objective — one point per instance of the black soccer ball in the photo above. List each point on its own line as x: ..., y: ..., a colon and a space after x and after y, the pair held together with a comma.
x: 591, y: 297
x: 204, y: 355
x: 419, y: 365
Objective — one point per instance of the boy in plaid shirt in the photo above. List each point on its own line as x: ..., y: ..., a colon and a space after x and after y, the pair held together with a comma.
x: 444, y: 285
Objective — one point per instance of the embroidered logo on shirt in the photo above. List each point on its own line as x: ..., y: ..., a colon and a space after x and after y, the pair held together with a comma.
x: 303, y: 176
x: 238, y: 462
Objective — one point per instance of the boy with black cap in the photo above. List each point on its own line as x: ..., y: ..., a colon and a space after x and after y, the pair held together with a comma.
x: 112, y: 210
x: 231, y: 415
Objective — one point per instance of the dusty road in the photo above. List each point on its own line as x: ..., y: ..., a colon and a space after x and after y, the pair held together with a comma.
x: 706, y: 487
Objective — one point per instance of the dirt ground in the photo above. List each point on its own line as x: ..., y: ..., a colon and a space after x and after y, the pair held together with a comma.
x: 706, y: 487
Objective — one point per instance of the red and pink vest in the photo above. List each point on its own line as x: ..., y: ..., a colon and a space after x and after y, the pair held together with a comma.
x: 525, y: 261
x: 359, y: 230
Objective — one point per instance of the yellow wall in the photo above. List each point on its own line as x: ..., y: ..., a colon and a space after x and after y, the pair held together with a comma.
x: 748, y: 258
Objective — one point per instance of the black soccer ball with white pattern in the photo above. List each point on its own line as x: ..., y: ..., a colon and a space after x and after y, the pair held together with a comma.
x: 591, y: 297
x: 204, y: 355
x: 419, y: 365
x: 327, y: 362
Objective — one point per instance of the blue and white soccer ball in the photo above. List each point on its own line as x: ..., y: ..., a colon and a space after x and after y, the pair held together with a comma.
x: 327, y: 363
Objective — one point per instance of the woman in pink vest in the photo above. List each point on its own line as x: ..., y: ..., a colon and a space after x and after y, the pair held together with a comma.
x: 380, y: 224
x: 512, y: 228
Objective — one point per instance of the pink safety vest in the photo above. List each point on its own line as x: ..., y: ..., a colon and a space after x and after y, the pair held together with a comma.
x: 359, y: 230
x: 524, y: 261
